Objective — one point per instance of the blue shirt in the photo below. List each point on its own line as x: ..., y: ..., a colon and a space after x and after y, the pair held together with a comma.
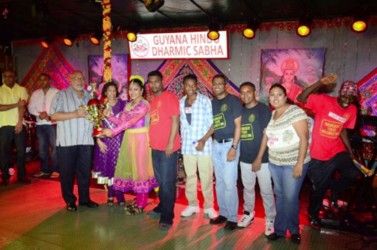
x: 201, y: 121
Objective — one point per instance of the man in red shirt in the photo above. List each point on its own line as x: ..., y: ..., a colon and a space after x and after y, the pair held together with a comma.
x: 165, y: 142
x: 330, y: 149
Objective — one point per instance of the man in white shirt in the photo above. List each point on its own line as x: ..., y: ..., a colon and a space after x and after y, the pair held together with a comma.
x: 39, y: 106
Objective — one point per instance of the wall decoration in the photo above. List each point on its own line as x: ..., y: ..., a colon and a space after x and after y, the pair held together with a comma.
x: 295, y: 69
x: 120, y: 67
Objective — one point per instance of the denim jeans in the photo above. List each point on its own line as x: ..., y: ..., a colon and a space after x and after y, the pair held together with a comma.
x: 226, y: 180
x: 7, y: 136
x: 75, y: 161
x: 165, y: 171
x: 287, y: 190
x: 265, y: 185
x: 321, y: 174
x: 47, y: 139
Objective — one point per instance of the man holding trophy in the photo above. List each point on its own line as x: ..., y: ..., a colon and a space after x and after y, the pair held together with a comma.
x: 74, y: 141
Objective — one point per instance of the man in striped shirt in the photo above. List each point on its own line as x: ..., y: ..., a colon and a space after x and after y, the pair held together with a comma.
x: 74, y: 141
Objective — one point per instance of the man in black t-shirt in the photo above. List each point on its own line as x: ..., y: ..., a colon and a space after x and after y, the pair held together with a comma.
x: 254, y: 119
x: 226, y: 110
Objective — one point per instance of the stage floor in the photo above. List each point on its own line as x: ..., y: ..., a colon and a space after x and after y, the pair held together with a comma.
x: 34, y: 217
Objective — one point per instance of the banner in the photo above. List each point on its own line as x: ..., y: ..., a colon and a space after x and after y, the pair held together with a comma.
x: 183, y: 45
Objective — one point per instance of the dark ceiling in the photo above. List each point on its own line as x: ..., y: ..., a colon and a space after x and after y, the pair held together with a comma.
x: 29, y: 19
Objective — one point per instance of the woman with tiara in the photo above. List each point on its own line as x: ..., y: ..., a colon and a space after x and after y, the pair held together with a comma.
x: 134, y: 171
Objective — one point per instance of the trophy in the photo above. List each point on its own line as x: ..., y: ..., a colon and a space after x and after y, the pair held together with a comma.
x: 95, y: 110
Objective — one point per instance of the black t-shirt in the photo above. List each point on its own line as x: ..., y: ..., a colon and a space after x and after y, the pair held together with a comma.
x: 188, y: 111
x: 225, y: 111
x: 253, y: 122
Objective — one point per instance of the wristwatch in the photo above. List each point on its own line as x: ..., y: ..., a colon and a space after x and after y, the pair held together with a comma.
x: 234, y: 146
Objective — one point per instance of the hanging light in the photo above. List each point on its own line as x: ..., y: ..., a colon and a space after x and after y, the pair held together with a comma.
x: 249, y: 31
x: 359, y: 24
x: 96, y: 37
x: 45, y: 43
x: 213, y: 32
x: 153, y: 5
x: 68, y: 40
x: 131, y: 36
x: 303, y: 28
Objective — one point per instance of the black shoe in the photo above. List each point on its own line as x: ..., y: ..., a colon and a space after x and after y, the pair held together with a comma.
x: 71, y: 207
x: 164, y: 226
x: 4, y: 182
x: 230, y: 225
x: 24, y: 180
x: 274, y: 236
x: 296, y: 238
x: 90, y: 204
x: 218, y: 220
x: 315, y: 223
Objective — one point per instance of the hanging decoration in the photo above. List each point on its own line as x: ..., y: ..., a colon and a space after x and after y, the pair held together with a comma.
x: 106, y: 28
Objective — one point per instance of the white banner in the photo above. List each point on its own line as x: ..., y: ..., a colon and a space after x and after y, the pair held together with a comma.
x: 182, y: 45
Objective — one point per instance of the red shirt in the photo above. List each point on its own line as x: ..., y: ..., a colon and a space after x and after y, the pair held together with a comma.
x: 162, y: 108
x: 330, y: 118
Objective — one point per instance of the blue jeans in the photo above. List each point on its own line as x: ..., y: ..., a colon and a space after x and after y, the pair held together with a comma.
x: 47, y: 139
x: 226, y: 180
x: 287, y: 190
x: 165, y: 171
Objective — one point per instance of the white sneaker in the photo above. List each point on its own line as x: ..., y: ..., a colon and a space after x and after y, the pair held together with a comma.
x: 211, y: 213
x: 269, y: 227
x: 245, y: 221
x: 190, y: 210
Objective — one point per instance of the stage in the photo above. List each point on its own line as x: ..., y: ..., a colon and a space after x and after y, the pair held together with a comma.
x: 34, y: 217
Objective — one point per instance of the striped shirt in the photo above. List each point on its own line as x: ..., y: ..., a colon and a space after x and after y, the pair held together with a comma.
x: 283, y: 141
x: 76, y: 131
x: 201, y: 121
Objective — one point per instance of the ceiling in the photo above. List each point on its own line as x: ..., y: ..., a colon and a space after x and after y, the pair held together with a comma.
x: 31, y: 19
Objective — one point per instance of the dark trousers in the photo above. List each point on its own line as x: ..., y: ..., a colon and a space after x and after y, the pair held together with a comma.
x: 7, y: 136
x: 165, y: 171
x: 321, y: 174
x: 47, y: 139
x: 75, y: 161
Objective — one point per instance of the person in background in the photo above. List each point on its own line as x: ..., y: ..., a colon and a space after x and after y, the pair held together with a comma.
x: 196, y: 120
x: 39, y: 105
x: 254, y: 119
x: 106, y: 150
x: 134, y: 171
x: 13, y: 98
x: 286, y: 137
x: 226, y: 109
x: 165, y: 143
x: 74, y: 141
x: 330, y: 149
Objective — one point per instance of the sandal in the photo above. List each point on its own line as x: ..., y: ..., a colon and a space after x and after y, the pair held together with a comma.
x: 110, y: 201
x: 122, y: 203
x: 134, y: 210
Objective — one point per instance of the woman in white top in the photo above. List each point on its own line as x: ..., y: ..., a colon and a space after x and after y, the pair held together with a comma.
x: 286, y: 137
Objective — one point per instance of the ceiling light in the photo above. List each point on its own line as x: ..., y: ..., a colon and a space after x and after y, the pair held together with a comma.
x: 213, y: 32
x: 131, y: 36
x: 96, y: 38
x: 249, y: 31
x: 359, y: 24
x: 153, y: 5
x: 68, y: 40
x: 45, y: 43
x: 303, y: 28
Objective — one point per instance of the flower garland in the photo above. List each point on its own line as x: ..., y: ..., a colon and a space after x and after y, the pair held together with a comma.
x: 106, y: 27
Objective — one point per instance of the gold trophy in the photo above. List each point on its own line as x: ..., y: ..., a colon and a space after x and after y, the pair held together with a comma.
x: 95, y: 110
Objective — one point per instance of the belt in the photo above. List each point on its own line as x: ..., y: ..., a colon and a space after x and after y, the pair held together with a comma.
x: 223, y: 140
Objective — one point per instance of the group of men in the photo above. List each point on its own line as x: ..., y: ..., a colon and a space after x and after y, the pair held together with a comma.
x: 236, y: 132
